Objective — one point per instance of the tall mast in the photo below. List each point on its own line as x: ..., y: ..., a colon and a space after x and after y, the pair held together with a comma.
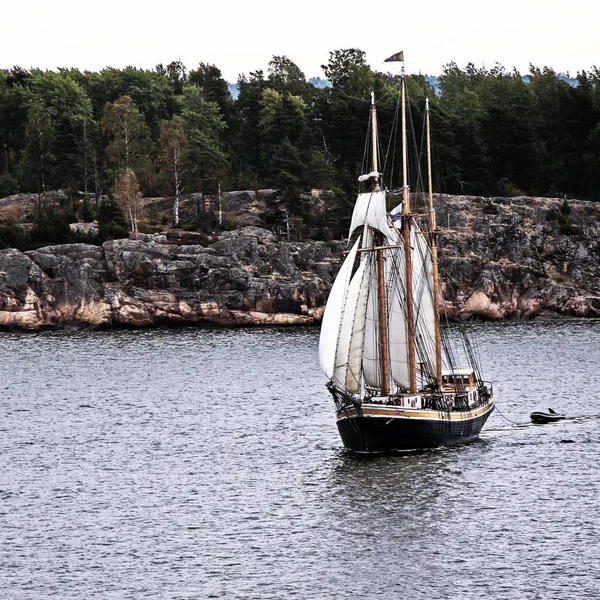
x: 406, y: 229
x: 434, y: 257
x: 374, y: 141
x: 382, y: 309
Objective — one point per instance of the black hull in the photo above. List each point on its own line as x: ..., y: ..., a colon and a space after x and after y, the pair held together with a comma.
x: 376, y: 434
x: 541, y: 418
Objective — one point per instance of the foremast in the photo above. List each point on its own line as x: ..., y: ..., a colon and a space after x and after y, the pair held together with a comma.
x: 382, y: 308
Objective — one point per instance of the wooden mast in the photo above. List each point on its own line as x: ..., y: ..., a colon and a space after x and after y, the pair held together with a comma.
x: 406, y: 229
x: 434, y: 257
x: 382, y: 309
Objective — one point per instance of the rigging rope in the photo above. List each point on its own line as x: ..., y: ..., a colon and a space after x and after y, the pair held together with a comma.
x: 507, y: 419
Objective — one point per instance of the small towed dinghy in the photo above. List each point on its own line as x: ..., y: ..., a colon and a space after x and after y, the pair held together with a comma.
x: 549, y: 416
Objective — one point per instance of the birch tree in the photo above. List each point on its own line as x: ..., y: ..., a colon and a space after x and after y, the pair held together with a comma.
x: 39, y: 133
x: 175, y: 148
x: 129, y: 197
x: 128, y: 136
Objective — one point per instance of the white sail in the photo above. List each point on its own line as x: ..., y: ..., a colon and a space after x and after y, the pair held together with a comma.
x: 397, y: 324
x: 423, y: 296
x: 347, y: 369
x: 350, y: 347
x: 332, y: 317
x: 423, y: 310
x: 370, y: 209
x: 371, y: 352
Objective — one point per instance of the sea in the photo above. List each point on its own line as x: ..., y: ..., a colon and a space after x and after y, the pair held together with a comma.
x: 201, y: 463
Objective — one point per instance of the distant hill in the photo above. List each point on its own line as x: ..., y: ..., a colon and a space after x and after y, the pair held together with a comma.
x: 432, y: 80
x: 234, y: 89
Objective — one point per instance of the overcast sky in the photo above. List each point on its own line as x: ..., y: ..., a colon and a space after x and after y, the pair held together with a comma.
x: 240, y: 37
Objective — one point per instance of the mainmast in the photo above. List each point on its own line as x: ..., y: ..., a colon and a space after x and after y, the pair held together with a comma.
x: 434, y: 257
x: 406, y: 230
x: 382, y: 309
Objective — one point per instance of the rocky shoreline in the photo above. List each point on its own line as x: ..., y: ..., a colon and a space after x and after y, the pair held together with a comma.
x: 504, y: 258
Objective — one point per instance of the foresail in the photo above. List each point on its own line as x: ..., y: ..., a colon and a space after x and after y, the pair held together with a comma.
x: 370, y: 209
x: 332, y: 317
x: 347, y: 369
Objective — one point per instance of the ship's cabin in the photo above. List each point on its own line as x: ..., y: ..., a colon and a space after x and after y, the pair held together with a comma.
x: 458, y: 379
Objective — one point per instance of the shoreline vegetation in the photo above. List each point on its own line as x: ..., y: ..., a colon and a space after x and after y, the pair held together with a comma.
x: 134, y: 197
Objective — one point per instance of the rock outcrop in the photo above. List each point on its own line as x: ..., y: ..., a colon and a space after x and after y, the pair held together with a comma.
x: 245, y: 278
x: 519, y: 257
x: 502, y: 258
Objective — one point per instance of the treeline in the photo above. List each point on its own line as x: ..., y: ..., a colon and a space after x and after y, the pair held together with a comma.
x: 121, y: 134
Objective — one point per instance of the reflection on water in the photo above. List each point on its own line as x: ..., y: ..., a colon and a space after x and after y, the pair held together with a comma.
x: 200, y: 463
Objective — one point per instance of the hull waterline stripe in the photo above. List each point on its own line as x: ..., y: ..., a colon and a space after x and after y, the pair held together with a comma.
x: 427, y: 415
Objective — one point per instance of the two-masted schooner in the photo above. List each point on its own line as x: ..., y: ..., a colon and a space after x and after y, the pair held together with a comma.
x: 392, y: 371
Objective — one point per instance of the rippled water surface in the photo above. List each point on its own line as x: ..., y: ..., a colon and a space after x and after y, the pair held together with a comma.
x: 205, y: 463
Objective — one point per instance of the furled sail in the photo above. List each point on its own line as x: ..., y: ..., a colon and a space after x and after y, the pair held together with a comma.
x: 332, y: 317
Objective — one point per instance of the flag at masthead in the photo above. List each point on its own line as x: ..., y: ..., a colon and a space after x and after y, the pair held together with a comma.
x: 398, y: 57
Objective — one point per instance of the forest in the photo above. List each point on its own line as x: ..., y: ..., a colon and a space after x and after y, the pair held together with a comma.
x: 109, y: 139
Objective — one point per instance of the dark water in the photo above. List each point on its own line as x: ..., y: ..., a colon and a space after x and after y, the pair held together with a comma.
x: 206, y: 464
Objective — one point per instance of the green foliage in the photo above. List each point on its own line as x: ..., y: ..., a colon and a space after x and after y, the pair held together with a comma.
x: 176, y: 73
x: 13, y: 236
x: 87, y: 213
x: 9, y: 185
x: 494, y: 132
x: 286, y: 77
x: 128, y: 138
x: 13, y: 116
x: 202, y: 124
x: 175, y: 158
x: 151, y: 91
x: 111, y: 231
x: 39, y: 135
x: 506, y: 188
x: 69, y: 111
x: 288, y: 174
x: 246, y: 147
x: 52, y: 227
x: 214, y: 88
x: 566, y: 226
x: 111, y: 222
x: 348, y: 70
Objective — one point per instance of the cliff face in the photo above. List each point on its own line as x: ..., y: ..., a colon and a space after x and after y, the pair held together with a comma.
x: 520, y: 257
x: 244, y: 278
x: 501, y: 258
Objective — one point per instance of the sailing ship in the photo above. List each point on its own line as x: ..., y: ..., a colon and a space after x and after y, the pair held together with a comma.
x: 393, y: 372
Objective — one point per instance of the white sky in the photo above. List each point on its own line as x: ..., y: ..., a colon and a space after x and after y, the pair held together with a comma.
x: 242, y: 36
